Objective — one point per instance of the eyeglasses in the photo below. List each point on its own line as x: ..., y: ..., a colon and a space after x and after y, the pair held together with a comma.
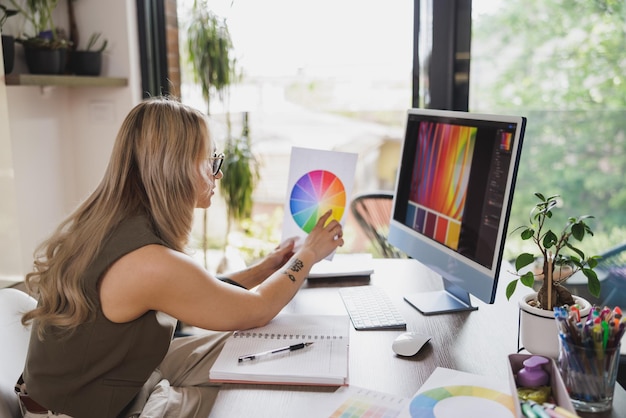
x: 216, y: 162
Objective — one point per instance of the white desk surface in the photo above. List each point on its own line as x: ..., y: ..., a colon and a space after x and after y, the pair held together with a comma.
x: 475, y: 342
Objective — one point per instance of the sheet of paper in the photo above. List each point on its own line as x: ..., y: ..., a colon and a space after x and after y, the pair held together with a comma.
x: 343, y: 265
x: 355, y: 402
x: 318, y: 181
x: 451, y: 393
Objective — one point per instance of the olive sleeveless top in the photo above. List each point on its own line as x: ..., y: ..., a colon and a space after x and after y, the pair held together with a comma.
x: 98, y: 370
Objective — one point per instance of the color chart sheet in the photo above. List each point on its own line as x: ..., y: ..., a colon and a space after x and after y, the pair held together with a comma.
x: 318, y: 181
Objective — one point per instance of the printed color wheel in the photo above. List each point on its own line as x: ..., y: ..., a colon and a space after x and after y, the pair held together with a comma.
x: 423, y: 405
x: 315, y: 193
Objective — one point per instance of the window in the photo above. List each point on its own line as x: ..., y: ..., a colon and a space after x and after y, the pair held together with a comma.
x: 561, y: 65
x: 339, y: 75
x: 326, y: 74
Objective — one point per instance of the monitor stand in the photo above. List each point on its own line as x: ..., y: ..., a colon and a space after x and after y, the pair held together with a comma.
x: 452, y: 299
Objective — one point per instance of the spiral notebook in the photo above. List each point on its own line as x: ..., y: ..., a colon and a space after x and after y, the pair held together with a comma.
x: 325, y: 362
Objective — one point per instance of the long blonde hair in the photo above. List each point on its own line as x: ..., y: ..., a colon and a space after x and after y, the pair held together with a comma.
x: 153, y: 171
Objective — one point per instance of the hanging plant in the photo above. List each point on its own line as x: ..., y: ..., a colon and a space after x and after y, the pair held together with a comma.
x: 211, y: 55
x: 210, y: 52
x: 240, y: 177
x: 242, y: 174
x: 210, y: 49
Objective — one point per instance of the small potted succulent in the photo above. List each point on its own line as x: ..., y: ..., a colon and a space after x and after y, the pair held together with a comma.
x: 8, y: 41
x: 88, y: 61
x: 560, y: 259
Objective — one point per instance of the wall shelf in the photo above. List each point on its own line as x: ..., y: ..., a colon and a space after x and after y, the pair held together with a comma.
x: 64, y: 80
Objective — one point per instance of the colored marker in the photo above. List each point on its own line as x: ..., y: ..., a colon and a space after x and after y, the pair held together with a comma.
x: 539, y: 411
x: 527, y: 410
x: 560, y: 410
x: 605, y: 334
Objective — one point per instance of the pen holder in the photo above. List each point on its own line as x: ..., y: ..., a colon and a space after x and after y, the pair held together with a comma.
x: 589, y: 374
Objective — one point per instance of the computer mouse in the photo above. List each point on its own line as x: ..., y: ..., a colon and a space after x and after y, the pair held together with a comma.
x: 409, y: 343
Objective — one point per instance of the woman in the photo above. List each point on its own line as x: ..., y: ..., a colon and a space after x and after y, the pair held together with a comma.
x: 114, y: 275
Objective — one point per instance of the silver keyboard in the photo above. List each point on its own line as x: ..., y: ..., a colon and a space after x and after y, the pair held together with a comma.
x: 371, y: 308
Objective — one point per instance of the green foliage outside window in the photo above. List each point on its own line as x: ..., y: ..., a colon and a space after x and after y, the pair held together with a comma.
x: 561, y: 64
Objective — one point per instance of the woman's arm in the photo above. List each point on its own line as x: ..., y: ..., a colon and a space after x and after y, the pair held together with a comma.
x: 257, y: 273
x: 157, y: 278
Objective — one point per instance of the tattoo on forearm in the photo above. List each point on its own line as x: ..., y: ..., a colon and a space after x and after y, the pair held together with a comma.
x: 296, y: 266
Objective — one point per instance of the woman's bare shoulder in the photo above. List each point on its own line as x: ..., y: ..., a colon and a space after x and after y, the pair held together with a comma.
x: 135, y: 283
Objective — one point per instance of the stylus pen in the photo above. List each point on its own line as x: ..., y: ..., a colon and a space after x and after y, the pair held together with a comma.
x: 274, y: 351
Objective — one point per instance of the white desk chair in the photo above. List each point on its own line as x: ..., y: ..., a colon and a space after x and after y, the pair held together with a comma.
x: 13, y: 346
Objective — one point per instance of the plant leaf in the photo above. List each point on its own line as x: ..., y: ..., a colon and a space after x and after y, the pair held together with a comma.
x: 527, y: 233
x: 523, y: 260
x: 549, y: 239
x: 551, y: 204
x: 576, y: 250
x: 528, y: 279
x: 510, y: 289
x: 592, y: 262
x: 578, y: 230
x: 593, y: 284
x: 554, y: 197
x: 576, y: 261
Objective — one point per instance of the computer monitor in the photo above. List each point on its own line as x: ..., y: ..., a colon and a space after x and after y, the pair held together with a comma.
x: 452, y: 201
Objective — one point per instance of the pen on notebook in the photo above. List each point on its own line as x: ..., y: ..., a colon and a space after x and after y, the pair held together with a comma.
x: 274, y: 351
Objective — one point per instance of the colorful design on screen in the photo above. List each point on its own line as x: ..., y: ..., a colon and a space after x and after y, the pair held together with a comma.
x: 423, y: 405
x: 315, y: 193
x: 439, y: 180
x: 506, y: 140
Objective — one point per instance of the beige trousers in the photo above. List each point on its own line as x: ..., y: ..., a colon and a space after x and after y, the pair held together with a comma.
x: 180, y: 386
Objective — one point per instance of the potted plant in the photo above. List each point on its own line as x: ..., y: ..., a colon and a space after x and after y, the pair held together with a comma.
x: 211, y: 53
x: 238, y: 184
x: 8, y: 41
x: 88, y: 61
x: 45, y: 51
x: 560, y: 259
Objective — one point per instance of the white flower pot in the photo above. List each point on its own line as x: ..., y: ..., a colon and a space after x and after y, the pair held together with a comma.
x: 537, y: 327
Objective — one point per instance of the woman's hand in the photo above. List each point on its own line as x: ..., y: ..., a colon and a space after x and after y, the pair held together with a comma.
x: 321, y: 241
x: 257, y: 273
x: 324, y: 239
x: 280, y: 255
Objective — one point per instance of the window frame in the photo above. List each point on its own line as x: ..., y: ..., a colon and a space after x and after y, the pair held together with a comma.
x: 441, y: 54
x: 151, y: 27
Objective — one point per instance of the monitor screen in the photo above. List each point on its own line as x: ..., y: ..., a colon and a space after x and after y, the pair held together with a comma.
x: 452, y: 201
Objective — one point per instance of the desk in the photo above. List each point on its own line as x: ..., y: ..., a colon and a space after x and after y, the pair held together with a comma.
x: 476, y: 342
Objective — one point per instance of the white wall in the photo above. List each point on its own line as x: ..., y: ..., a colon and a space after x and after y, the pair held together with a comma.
x: 60, y: 138
x: 10, y: 248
